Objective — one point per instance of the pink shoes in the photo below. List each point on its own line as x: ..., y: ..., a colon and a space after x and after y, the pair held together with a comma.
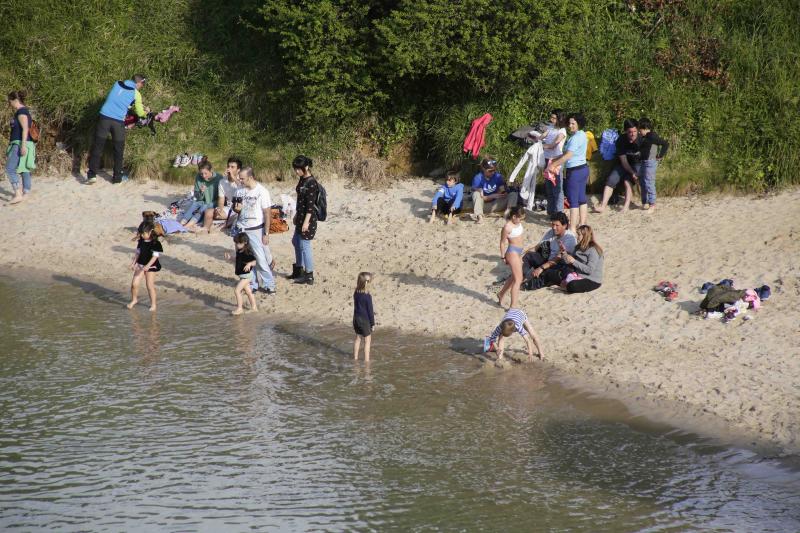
x: 667, y: 289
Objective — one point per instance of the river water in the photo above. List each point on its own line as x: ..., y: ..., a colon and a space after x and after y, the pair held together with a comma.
x: 194, y: 421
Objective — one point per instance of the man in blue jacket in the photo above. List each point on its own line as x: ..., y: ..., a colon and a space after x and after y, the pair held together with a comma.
x: 122, y: 96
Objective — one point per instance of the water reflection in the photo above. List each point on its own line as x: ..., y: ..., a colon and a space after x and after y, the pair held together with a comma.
x: 146, y: 336
x: 190, y: 419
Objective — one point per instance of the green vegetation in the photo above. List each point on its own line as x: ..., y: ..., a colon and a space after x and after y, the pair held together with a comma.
x: 266, y: 78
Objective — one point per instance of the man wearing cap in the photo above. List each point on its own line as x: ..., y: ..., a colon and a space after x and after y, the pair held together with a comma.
x: 122, y: 96
x: 489, y: 191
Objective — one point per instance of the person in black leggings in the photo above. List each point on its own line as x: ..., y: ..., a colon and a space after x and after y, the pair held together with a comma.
x: 586, y: 263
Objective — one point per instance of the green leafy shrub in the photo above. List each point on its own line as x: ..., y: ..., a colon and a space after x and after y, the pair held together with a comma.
x: 266, y: 78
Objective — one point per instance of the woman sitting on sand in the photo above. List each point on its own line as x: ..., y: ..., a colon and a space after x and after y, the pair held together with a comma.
x: 511, y: 247
x: 585, y: 265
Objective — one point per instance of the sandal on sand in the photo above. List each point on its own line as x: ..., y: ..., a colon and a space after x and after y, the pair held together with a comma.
x: 664, y: 286
x: 671, y: 295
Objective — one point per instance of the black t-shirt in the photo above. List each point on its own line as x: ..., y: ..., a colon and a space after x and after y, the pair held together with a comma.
x: 146, y: 249
x: 16, y: 127
x: 242, y: 258
x: 631, y: 150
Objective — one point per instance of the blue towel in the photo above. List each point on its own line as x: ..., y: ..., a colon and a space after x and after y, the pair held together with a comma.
x: 171, y: 226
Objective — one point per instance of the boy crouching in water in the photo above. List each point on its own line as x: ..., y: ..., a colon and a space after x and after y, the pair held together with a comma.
x: 514, y: 320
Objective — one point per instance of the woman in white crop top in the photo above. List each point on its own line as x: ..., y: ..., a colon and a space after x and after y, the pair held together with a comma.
x: 511, y: 246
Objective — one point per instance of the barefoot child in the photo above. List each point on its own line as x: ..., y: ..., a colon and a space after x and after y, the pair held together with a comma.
x: 514, y: 320
x: 145, y: 264
x: 363, y: 317
x: 245, y: 261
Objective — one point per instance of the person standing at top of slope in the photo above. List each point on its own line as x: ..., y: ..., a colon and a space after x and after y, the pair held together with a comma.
x: 122, y: 96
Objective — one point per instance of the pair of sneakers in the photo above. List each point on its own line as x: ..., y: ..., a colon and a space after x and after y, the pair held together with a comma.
x: 184, y: 159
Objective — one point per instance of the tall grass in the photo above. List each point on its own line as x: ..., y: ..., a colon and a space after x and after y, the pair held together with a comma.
x: 720, y: 82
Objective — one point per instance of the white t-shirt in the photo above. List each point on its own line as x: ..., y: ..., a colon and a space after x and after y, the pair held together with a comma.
x: 254, y: 201
x: 228, y: 189
x: 550, y: 137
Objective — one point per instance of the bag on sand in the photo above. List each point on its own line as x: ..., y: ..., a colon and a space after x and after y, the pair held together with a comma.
x: 278, y: 222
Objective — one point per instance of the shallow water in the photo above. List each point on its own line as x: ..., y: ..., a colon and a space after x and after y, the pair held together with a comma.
x: 192, y: 420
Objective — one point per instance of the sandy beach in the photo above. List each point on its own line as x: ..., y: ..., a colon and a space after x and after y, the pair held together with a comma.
x: 440, y: 280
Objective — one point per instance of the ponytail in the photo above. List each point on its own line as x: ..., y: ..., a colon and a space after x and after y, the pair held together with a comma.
x: 17, y: 95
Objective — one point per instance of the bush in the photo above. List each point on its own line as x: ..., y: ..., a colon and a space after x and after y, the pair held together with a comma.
x: 266, y: 78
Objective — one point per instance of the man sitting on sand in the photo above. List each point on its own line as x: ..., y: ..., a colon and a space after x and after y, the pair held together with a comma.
x: 546, y: 254
x: 514, y: 320
x: 489, y: 191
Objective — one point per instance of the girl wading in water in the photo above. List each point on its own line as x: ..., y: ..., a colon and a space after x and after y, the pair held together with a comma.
x: 363, y: 314
x: 145, y: 264
x: 305, y: 221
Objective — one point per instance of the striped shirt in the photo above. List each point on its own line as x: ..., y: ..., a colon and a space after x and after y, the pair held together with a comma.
x: 518, y: 316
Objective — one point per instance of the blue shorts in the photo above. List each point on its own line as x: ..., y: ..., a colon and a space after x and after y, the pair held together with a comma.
x: 575, y: 185
x: 514, y: 250
x: 247, y: 275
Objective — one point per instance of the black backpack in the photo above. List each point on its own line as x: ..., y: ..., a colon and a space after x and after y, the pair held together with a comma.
x: 321, y: 204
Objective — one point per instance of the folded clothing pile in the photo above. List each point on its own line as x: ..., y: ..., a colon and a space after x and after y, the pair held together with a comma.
x: 725, y: 301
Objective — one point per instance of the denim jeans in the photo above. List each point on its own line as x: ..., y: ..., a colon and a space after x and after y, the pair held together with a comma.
x: 263, y: 259
x: 555, y: 194
x: 195, y: 211
x: 647, y: 173
x: 302, y: 251
x: 11, y: 171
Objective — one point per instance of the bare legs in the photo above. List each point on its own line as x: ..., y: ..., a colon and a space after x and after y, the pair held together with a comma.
x: 357, y: 346
x: 18, y: 196
x: 628, y: 195
x: 515, y: 262
x: 607, y: 192
x: 150, y: 283
x: 244, y: 285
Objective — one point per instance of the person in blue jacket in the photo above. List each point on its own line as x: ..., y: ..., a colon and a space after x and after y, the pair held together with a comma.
x: 448, y: 198
x: 122, y: 96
